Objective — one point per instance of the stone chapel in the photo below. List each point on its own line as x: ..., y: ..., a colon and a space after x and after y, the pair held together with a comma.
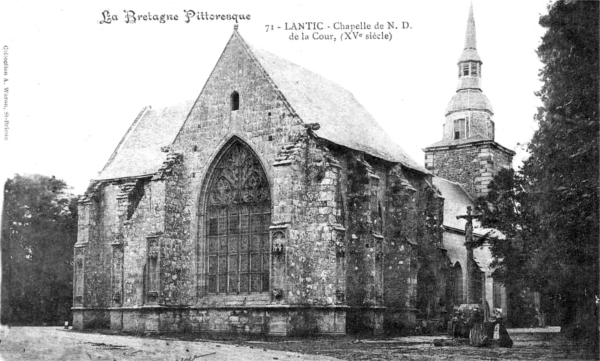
x: 274, y: 203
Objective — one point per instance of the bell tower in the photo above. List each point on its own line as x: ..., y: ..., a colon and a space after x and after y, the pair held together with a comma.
x: 468, y: 152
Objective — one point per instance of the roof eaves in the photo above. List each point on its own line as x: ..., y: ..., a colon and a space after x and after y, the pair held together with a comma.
x: 448, y: 144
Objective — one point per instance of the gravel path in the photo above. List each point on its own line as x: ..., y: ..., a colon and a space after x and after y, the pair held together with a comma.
x: 54, y: 343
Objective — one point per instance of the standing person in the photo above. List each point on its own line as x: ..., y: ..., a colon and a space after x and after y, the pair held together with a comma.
x: 501, y: 334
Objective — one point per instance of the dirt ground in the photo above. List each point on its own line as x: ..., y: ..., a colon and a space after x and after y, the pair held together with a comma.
x: 54, y: 343
x: 529, y: 344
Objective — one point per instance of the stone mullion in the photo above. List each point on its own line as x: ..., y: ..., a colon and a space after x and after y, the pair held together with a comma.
x: 246, y: 235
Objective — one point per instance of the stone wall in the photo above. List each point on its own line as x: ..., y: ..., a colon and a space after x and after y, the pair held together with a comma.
x: 414, y: 244
x: 361, y: 189
x: 117, y: 224
x: 177, y: 248
x: 473, y: 164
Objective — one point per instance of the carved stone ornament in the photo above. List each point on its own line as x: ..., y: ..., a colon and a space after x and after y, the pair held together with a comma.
x: 153, y: 249
x: 278, y: 243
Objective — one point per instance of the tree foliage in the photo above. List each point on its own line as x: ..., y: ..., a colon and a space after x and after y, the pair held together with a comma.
x: 549, y: 209
x: 39, y: 229
x: 563, y: 167
x: 510, y: 210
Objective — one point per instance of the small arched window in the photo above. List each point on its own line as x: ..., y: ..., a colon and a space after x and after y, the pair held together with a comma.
x: 235, y: 101
x: 460, y: 129
x: 458, y: 284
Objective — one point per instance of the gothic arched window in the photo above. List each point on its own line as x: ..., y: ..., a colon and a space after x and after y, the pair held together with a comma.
x: 458, y: 284
x: 238, y: 216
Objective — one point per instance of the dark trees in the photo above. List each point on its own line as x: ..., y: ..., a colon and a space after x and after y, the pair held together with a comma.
x: 509, y: 208
x: 563, y: 168
x: 39, y: 229
x: 549, y: 209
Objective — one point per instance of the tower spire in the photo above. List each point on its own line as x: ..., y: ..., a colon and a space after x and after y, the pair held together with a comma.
x: 470, y: 37
x: 470, y: 50
x: 469, y: 113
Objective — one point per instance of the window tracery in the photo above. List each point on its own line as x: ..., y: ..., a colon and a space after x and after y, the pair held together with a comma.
x: 238, y: 219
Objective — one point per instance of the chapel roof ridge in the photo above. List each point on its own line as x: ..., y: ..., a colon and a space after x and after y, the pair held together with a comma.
x: 310, y: 97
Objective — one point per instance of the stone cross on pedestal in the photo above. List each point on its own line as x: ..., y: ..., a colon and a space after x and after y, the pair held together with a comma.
x: 471, y: 264
x: 469, y: 225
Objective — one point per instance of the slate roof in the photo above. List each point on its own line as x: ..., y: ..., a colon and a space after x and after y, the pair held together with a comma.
x: 139, y: 152
x: 342, y: 119
x: 315, y: 99
x: 469, y: 99
x: 470, y: 51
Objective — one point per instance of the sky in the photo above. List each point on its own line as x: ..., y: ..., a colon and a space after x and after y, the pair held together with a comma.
x: 75, y: 84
